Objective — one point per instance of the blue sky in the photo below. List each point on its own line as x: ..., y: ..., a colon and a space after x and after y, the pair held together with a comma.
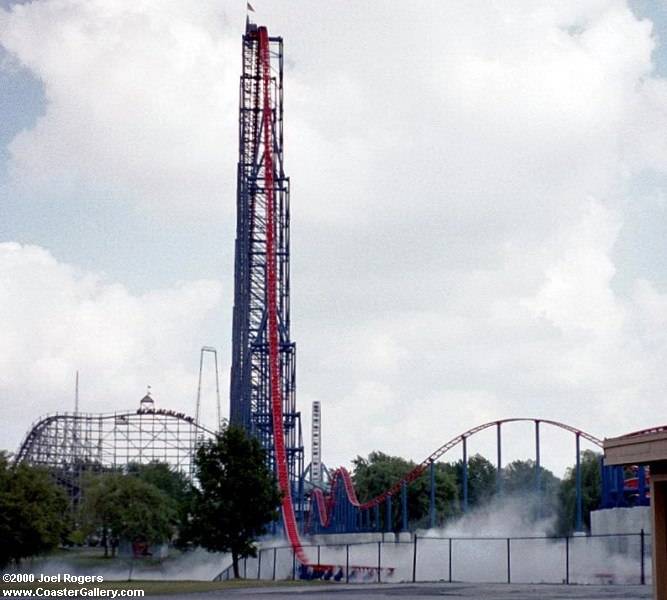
x: 479, y: 200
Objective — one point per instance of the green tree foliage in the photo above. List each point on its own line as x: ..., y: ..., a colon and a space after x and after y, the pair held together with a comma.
x: 238, y: 496
x: 373, y: 475
x: 481, y: 480
x: 176, y: 486
x: 519, y: 479
x: 119, y: 507
x: 33, y: 517
x: 590, y: 485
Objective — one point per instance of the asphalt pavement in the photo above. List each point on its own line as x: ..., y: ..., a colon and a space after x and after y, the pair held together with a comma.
x: 433, y: 590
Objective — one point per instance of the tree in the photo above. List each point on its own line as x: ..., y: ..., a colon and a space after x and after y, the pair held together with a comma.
x: 33, y: 512
x: 481, y: 480
x: 176, y: 486
x: 591, y: 483
x: 374, y: 475
x: 519, y: 480
x: 124, y: 507
x: 238, y: 495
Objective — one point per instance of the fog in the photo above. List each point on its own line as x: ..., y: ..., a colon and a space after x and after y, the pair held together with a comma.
x: 472, y: 548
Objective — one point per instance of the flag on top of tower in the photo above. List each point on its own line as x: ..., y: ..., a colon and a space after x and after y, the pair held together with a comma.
x: 249, y: 7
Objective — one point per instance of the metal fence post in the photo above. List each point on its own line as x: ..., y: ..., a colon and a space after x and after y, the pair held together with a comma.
x: 275, y: 554
x: 318, y: 555
x: 509, y: 562
x: 293, y: 565
x: 347, y: 563
x: 259, y: 564
x: 245, y: 568
x: 379, y: 561
x: 414, y: 561
x: 567, y: 560
x: 450, y: 560
x: 642, y: 578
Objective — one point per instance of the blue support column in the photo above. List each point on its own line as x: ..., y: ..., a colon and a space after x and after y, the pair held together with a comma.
x: 431, y: 508
x: 641, y: 476
x: 619, y: 486
x: 388, y: 524
x: 538, y: 470
x: 336, y: 513
x: 340, y: 520
x: 301, y: 502
x: 465, y: 474
x: 579, y: 524
x: 499, y: 471
x: 315, y: 515
x: 605, y: 483
x: 377, y: 517
x: 344, y: 512
x: 404, y: 506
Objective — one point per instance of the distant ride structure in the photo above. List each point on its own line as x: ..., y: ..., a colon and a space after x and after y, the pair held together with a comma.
x: 72, y: 444
x: 316, y: 466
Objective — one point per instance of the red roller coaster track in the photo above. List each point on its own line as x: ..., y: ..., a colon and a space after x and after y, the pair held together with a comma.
x: 289, y: 518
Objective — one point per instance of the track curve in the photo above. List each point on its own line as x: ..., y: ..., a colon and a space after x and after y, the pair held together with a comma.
x: 324, y: 504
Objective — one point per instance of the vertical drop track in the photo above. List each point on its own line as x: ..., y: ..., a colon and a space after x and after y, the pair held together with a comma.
x: 288, y: 515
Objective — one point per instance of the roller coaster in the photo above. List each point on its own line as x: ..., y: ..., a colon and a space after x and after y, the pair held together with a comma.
x: 72, y: 444
x: 262, y: 391
x: 341, y: 510
x: 262, y: 384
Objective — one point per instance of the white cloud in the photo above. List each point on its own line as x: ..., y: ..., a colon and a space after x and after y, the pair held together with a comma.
x: 577, y: 294
x: 141, y: 98
x: 58, y: 319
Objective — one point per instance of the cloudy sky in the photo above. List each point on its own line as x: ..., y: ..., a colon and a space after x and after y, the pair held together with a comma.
x: 479, y: 195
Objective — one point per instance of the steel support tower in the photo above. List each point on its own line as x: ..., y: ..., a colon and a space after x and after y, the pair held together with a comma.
x: 263, y: 353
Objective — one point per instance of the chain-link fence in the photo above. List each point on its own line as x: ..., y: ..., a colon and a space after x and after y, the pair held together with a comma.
x: 620, y: 559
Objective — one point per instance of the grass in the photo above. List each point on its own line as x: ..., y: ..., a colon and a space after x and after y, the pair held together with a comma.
x: 91, y: 561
